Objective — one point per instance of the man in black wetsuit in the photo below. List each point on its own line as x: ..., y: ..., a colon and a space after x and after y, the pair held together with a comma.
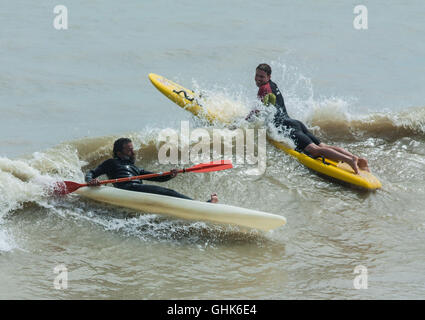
x: 304, y: 140
x: 122, y: 166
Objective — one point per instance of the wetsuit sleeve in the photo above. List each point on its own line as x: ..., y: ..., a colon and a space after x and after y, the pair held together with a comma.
x: 280, y: 103
x: 249, y: 116
x: 263, y: 91
x: 157, y: 179
x: 103, y: 168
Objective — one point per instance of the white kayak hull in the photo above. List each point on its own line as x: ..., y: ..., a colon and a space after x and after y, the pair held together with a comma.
x: 183, y: 208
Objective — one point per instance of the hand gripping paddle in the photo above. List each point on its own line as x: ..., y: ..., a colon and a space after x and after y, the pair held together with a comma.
x: 65, y: 187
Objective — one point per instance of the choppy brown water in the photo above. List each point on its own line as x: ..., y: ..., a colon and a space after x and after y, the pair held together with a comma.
x: 66, y: 95
x: 112, y: 253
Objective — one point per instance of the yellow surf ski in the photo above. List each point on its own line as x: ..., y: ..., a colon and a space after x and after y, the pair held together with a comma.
x: 187, y: 99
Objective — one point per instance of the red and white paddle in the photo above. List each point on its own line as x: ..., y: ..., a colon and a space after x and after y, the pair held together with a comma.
x: 65, y: 187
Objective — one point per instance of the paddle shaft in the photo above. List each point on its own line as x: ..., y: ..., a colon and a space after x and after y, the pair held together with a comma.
x: 145, y: 176
x: 70, y: 186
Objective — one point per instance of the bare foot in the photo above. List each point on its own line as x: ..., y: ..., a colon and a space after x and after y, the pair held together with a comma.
x: 353, y: 164
x: 214, y: 198
x: 362, y: 163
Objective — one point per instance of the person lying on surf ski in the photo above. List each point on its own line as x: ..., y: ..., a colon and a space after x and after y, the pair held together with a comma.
x: 304, y: 140
x: 122, y: 166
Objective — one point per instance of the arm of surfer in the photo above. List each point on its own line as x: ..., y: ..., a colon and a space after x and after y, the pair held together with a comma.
x: 269, y: 99
x: 93, y: 183
x: 90, y: 178
x: 91, y: 175
x: 251, y: 114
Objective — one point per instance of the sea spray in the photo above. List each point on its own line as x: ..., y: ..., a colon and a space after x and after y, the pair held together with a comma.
x: 7, y: 243
x: 226, y: 106
x: 32, y: 179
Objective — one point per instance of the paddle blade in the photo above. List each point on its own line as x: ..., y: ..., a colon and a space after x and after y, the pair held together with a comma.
x: 65, y: 187
x: 211, y: 166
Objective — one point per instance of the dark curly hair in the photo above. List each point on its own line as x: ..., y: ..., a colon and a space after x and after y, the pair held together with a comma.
x: 119, y: 144
x: 265, y: 67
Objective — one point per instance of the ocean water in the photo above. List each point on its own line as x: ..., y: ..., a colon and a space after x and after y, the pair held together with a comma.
x: 66, y: 95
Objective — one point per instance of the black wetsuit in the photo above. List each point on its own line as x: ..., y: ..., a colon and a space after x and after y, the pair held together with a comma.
x: 118, y: 168
x: 298, y: 132
x: 271, y: 87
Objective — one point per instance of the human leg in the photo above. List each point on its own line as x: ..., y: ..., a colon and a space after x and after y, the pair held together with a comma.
x: 361, y: 162
x: 306, y: 141
x: 156, y: 190
x: 163, y: 191
x: 327, y: 152
x: 297, y: 132
x: 338, y: 149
